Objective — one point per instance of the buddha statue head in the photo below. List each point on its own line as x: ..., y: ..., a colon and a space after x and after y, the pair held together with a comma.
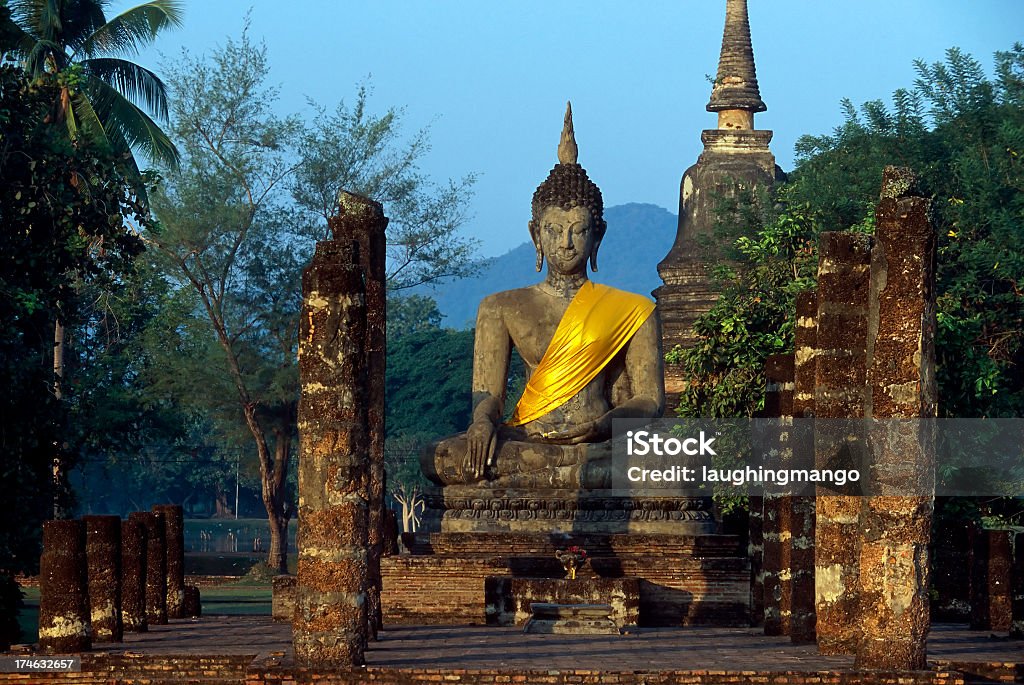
x: 567, y: 222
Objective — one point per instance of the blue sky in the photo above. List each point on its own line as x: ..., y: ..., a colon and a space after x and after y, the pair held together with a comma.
x: 491, y: 78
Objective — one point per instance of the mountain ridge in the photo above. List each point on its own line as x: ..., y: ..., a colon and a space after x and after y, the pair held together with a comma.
x: 639, y: 236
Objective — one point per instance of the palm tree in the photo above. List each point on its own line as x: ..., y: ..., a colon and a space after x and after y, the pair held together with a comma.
x: 100, y: 92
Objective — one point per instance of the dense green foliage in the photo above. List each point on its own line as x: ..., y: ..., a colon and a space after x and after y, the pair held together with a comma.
x: 63, y: 209
x: 238, y: 223
x: 98, y: 93
x: 963, y: 133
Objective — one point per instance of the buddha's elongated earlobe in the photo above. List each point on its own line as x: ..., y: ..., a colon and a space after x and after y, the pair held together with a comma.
x: 540, y: 259
x: 593, y: 251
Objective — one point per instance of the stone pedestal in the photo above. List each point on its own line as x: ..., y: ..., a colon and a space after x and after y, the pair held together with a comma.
x: 570, y: 619
x: 469, y: 509
x: 682, y: 580
x: 508, y: 599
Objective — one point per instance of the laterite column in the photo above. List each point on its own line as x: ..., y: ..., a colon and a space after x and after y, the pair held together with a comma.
x: 103, y: 555
x: 329, y: 628
x: 896, y: 520
x: 174, y: 532
x: 778, y: 405
x: 802, y: 618
x: 840, y: 393
x: 133, y: 575
x: 156, y: 566
x: 63, y: 589
x: 368, y: 230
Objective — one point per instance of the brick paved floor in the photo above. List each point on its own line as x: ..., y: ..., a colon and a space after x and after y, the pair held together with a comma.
x: 485, y: 647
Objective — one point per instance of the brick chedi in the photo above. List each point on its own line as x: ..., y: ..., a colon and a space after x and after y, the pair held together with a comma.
x: 735, y: 156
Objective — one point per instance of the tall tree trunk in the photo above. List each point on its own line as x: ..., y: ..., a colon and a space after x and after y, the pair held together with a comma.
x: 58, y: 392
x: 274, y: 499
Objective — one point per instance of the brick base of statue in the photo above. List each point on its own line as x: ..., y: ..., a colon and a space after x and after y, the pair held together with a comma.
x: 682, y: 580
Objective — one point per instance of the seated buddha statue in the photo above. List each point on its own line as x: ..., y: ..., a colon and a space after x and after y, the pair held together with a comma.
x: 592, y: 354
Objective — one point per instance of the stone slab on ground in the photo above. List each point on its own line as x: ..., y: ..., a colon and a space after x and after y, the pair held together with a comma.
x: 508, y: 599
x: 570, y: 619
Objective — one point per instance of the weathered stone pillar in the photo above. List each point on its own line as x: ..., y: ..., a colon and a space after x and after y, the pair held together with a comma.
x: 103, y: 556
x: 755, y: 552
x: 174, y: 531
x: 778, y: 404
x: 840, y: 393
x: 63, y: 589
x: 192, y: 606
x: 368, y: 230
x: 133, y: 576
x: 896, y: 518
x: 1017, y: 588
x: 802, y: 618
x: 991, y: 580
x: 330, y: 624
x: 156, y: 566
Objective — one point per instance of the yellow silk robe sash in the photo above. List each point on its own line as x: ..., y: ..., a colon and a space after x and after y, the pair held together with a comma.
x: 599, y: 321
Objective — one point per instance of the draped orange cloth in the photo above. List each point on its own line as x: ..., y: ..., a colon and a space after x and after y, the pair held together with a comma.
x: 598, y: 323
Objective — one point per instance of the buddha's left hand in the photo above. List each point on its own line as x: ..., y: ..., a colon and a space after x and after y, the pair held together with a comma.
x: 591, y: 431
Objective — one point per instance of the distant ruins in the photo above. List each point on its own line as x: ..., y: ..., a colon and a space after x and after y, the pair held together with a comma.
x: 735, y: 156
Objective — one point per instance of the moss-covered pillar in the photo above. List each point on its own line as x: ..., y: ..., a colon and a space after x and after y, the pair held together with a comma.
x: 174, y: 532
x: 801, y: 559
x: 363, y: 221
x: 103, y: 556
x: 156, y: 566
x: 896, y: 519
x: 840, y: 393
x: 778, y: 404
x: 63, y: 589
x: 133, y: 576
x: 329, y: 628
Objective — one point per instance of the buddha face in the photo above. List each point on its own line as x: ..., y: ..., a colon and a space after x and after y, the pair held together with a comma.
x: 566, y: 238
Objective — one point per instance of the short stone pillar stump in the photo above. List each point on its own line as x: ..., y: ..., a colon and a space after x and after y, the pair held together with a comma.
x: 282, y: 603
x: 508, y: 599
x: 571, y: 619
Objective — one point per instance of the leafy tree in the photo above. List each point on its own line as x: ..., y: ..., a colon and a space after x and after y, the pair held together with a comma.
x: 235, y: 240
x: 752, y: 319
x: 63, y: 209
x: 429, y: 376
x: 99, y: 92
x: 354, y: 150
x: 963, y: 133
x: 412, y: 314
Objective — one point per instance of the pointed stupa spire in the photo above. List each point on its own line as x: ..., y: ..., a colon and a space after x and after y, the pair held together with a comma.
x: 568, y: 153
x: 736, y: 84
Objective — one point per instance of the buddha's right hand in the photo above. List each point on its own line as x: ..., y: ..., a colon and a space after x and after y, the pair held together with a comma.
x: 478, y: 447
